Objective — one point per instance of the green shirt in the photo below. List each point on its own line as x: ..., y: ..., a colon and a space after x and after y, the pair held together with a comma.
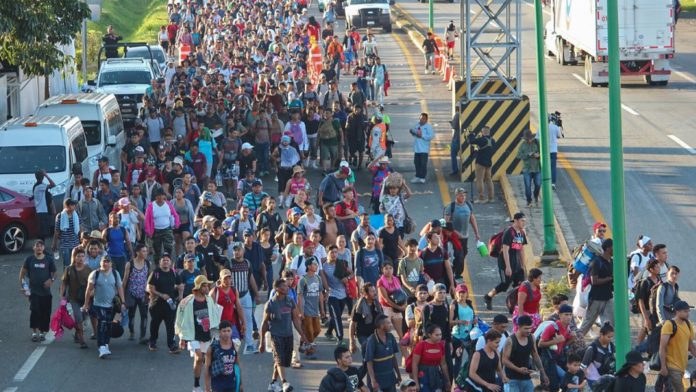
x: 529, y: 164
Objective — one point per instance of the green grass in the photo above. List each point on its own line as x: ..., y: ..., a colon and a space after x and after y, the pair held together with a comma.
x: 134, y: 20
x: 688, y: 6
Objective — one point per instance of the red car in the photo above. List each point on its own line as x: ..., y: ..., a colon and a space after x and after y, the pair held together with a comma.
x: 18, y: 221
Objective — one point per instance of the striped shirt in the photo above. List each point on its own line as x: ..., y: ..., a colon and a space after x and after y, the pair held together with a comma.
x: 68, y: 238
x: 240, y: 275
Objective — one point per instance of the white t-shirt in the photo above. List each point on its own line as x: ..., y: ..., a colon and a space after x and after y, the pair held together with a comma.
x: 302, y: 268
x: 640, y: 261
x: 40, y: 198
x: 481, y: 342
x: 161, y: 215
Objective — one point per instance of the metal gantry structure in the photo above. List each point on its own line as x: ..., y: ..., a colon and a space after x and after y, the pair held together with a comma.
x: 491, y: 47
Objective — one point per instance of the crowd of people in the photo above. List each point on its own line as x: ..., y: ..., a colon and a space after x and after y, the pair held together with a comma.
x: 187, y: 233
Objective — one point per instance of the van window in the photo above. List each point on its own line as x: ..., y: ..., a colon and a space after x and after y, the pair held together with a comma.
x: 93, y: 132
x: 79, y: 145
x: 115, y: 122
x: 29, y: 159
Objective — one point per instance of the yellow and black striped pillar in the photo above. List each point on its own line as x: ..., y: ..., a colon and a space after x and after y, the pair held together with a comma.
x: 507, y: 119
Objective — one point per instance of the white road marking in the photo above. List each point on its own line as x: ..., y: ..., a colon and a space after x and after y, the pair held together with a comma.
x: 531, y: 5
x: 683, y: 144
x: 628, y: 109
x: 685, y: 76
x: 29, y: 364
x: 580, y: 78
x: 10, y: 389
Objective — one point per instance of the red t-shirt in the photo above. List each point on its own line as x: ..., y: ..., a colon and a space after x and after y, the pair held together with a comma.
x: 430, y: 354
x: 550, y: 333
x: 171, y: 31
x: 533, y: 301
x: 227, y: 301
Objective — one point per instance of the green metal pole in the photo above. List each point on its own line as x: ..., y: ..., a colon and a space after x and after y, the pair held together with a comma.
x: 546, y: 192
x: 431, y: 23
x: 618, y: 216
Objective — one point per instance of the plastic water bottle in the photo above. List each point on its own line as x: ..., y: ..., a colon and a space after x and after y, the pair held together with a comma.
x: 56, y: 256
x: 218, y: 179
x: 276, y: 252
x: 25, y: 286
x: 171, y: 303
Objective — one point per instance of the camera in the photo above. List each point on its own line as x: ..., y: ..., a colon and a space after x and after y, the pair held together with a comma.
x: 555, y: 118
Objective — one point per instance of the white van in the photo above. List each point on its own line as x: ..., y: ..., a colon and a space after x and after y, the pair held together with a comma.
x: 30, y: 143
x: 101, y: 120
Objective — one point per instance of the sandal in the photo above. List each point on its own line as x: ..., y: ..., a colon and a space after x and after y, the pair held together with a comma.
x: 296, y: 365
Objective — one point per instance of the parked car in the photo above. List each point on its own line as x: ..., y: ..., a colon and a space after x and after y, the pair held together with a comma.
x: 18, y: 221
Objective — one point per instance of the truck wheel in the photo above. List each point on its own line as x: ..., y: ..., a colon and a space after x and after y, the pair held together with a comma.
x: 387, y: 28
x: 649, y: 81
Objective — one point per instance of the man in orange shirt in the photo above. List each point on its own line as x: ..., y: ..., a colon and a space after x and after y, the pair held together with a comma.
x: 334, y: 52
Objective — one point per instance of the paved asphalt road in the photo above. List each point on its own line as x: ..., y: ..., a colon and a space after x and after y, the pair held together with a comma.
x: 61, y: 366
x: 658, y: 126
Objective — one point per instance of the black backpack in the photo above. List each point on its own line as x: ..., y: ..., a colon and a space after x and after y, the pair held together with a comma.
x: 511, y: 299
x: 604, y: 384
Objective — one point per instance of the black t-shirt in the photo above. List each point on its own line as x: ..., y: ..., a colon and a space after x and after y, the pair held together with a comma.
x: 39, y: 271
x: 220, y: 244
x: 390, y: 244
x: 165, y: 282
x: 201, y: 320
x: 643, y: 291
x: 212, y: 210
x: 602, y: 269
x: 570, y: 378
x: 363, y: 328
x: 515, y: 240
x: 630, y: 383
x: 429, y: 45
x: 438, y: 315
x: 211, y: 260
x: 246, y: 162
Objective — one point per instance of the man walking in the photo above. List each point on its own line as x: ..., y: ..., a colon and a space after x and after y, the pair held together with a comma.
x: 380, y: 356
x: 243, y: 280
x: 196, y: 316
x: 91, y: 213
x: 279, y: 317
x: 67, y: 231
x: 222, y: 371
x: 41, y: 272
x: 423, y: 133
x: 518, y: 351
x: 455, y: 144
x: 676, y: 342
x: 511, y: 259
x: 460, y: 213
x: 43, y: 202
x: 429, y: 49
x: 601, y: 296
x: 485, y: 145
x: 310, y: 304
x: 104, y: 284
x: 165, y: 290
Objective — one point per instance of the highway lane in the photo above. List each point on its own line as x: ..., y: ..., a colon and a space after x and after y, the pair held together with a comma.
x: 63, y: 367
x: 659, y: 141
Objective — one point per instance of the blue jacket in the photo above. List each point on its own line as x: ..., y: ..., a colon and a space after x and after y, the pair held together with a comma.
x: 422, y: 143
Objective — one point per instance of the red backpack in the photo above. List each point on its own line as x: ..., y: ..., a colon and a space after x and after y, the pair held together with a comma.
x: 495, y: 243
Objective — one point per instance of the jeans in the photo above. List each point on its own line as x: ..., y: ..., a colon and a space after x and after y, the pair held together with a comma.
x: 263, y: 153
x: 429, y: 61
x: 520, y: 386
x: 675, y: 377
x: 104, y: 318
x: 554, y: 159
x: 66, y: 255
x: 379, y: 93
x: 159, y: 312
x: 460, y: 257
x: 363, y: 86
x: 336, y: 307
x: 528, y: 178
x: 141, y: 306
x: 420, y: 160
x: 454, y: 152
x: 119, y: 264
x: 248, y: 305
x: 515, y: 279
x: 328, y: 154
x: 313, y: 147
x: 595, y: 309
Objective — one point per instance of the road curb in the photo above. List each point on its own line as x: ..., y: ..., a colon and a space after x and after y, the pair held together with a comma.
x: 405, y: 21
x: 564, y: 254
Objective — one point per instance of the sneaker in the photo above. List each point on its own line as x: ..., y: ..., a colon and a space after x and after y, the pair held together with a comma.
x: 415, y: 180
x: 275, y: 178
x: 83, y: 345
x: 421, y: 180
x: 174, y: 350
x: 102, y: 352
x: 131, y: 336
x: 489, y: 302
x: 303, y: 348
x: 432, y: 72
x: 143, y: 341
x: 287, y: 387
x: 197, y: 389
x: 34, y: 337
x: 152, y: 347
x: 529, y: 204
x: 108, y: 351
x: 425, y: 72
x: 553, y: 186
x: 255, y: 335
x: 274, y: 386
x: 92, y: 337
x: 42, y: 336
x: 250, y: 349
x: 329, y: 336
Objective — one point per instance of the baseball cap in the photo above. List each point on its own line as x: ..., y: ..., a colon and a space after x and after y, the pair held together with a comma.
x: 459, y: 190
x: 256, y: 182
x: 296, y: 211
x: 225, y: 273
x: 597, y: 225
x: 461, y: 288
x: 439, y: 287
x: 247, y: 146
x: 681, y: 305
x: 565, y: 308
x: 237, y: 245
x: 124, y: 201
x: 285, y: 139
x: 407, y: 382
x: 207, y: 196
x: 248, y: 232
x: 307, y: 244
x: 178, y: 161
x: 435, y: 223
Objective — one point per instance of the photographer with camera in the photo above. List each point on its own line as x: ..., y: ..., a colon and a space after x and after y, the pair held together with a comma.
x: 485, y: 148
x: 528, y: 153
x: 555, y: 133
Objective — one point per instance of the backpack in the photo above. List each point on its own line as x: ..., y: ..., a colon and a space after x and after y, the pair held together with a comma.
x: 495, y: 243
x: 654, y: 362
x: 452, y: 206
x: 511, y: 299
x: 540, y: 330
x: 327, y: 130
x: 296, y: 131
x: 426, y: 320
x: 652, y: 301
x: 604, y: 384
x: 608, y: 363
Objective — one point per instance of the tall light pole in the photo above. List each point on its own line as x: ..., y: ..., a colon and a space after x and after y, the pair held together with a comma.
x: 431, y: 23
x: 546, y: 192
x: 618, y: 216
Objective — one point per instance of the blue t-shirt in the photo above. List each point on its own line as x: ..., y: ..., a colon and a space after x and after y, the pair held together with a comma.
x: 368, y: 264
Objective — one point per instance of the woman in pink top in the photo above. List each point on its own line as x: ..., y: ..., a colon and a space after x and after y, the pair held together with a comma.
x: 295, y: 184
x: 387, y: 285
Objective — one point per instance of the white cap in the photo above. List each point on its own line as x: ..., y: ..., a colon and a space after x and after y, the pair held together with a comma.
x: 344, y: 164
x: 247, y: 146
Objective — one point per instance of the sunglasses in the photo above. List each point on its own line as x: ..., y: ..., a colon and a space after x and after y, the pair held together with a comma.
x: 602, y: 231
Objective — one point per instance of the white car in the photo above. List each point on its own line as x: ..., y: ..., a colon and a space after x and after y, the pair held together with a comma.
x: 128, y: 79
x: 158, y: 54
x: 368, y: 13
